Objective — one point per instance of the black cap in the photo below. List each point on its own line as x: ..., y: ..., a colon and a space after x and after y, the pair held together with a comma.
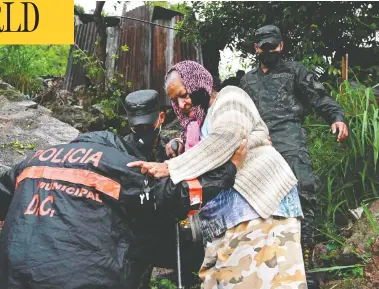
x: 142, y: 107
x: 268, y: 34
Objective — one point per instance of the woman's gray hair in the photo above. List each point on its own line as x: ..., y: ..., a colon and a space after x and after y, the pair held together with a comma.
x: 170, y: 77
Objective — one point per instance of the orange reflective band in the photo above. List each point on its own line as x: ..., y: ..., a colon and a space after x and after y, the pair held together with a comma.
x: 195, y: 192
x: 75, y: 176
x: 191, y: 213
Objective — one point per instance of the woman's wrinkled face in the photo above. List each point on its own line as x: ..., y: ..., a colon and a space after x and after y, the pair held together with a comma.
x: 179, y: 95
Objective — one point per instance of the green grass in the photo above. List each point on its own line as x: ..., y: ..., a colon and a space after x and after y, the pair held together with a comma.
x: 348, y: 173
x: 348, y: 170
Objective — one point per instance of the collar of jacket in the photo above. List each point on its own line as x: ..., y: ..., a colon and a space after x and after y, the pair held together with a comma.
x: 280, y: 63
x: 132, y: 141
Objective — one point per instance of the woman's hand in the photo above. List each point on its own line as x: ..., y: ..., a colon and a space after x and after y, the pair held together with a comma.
x: 156, y: 170
x: 240, y: 155
x: 160, y: 170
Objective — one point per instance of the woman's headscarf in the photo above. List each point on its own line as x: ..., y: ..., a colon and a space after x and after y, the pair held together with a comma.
x: 194, y: 77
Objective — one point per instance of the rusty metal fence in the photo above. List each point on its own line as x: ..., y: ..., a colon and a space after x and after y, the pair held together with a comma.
x: 153, y: 48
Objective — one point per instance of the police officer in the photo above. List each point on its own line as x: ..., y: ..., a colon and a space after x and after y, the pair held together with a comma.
x: 80, y: 202
x: 145, y: 121
x: 284, y: 93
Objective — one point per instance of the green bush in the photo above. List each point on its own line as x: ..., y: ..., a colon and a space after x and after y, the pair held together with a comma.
x: 161, y: 284
x: 110, y: 98
x: 348, y: 170
x: 20, y: 65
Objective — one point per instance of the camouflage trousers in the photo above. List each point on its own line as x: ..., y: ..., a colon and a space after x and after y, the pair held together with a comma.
x: 257, y: 254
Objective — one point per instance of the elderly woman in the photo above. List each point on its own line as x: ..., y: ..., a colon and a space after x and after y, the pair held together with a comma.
x: 190, y: 118
x: 252, y: 232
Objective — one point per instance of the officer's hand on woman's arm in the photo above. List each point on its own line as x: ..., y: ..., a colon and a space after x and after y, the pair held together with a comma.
x: 160, y: 170
x: 175, y: 201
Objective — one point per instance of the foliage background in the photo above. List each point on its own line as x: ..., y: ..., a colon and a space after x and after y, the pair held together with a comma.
x: 315, y: 32
x: 20, y: 65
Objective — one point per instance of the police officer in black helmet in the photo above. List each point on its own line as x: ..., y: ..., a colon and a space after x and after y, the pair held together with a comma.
x: 145, y: 120
x: 284, y: 93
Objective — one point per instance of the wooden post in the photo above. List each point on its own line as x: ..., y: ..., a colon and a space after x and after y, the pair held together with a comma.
x: 345, y: 67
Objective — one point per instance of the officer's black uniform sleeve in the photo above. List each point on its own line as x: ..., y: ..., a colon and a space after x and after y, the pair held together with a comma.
x: 315, y: 94
x: 7, y: 188
x: 244, y: 85
x: 243, y: 82
x: 174, y: 199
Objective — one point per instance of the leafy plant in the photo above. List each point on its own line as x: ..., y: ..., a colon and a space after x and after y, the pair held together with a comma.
x: 348, y: 170
x: 348, y: 173
x: 110, y: 99
x: 337, y: 268
x: 305, y: 26
x: 79, y: 8
x: 179, y: 7
x: 20, y: 65
x: 18, y: 145
x: 161, y: 284
x: 369, y: 216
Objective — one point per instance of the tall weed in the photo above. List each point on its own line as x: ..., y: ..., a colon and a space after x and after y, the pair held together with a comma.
x: 20, y: 65
x: 348, y: 170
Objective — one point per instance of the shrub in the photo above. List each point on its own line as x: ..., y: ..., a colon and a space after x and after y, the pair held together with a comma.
x: 348, y: 170
x: 20, y: 65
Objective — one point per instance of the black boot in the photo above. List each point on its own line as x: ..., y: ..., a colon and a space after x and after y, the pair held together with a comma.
x: 308, y: 227
x: 307, y: 245
x: 307, y: 186
x: 308, y: 253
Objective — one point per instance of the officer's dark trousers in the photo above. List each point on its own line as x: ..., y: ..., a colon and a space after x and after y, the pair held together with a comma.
x: 154, y: 245
x: 307, y: 186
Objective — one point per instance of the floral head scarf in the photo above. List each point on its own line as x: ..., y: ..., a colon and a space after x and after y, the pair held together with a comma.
x: 194, y: 77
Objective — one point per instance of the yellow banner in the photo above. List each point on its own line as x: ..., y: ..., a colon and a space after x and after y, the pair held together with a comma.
x: 37, y: 22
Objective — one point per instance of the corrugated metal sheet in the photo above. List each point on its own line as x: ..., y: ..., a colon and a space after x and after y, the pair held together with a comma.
x: 113, y: 34
x: 152, y: 50
x: 85, y: 38
x: 168, y: 49
x: 161, y: 58
x: 186, y: 50
x: 135, y: 64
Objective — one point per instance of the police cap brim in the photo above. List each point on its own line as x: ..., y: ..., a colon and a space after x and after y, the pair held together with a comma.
x: 149, y: 118
x: 271, y: 40
x: 142, y: 107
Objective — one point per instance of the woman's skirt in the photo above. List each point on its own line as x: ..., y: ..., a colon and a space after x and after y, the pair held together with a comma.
x: 257, y: 254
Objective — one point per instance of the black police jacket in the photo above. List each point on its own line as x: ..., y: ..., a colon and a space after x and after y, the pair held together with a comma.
x: 284, y: 96
x: 69, y: 210
x: 135, y: 149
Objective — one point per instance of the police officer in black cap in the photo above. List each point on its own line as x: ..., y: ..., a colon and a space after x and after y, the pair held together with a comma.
x: 145, y: 120
x: 284, y: 93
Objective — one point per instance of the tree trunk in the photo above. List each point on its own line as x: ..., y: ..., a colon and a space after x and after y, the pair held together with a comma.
x: 211, y: 57
x: 102, y: 42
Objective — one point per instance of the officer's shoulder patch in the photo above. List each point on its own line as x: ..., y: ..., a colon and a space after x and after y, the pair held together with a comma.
x: 283, y: 75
